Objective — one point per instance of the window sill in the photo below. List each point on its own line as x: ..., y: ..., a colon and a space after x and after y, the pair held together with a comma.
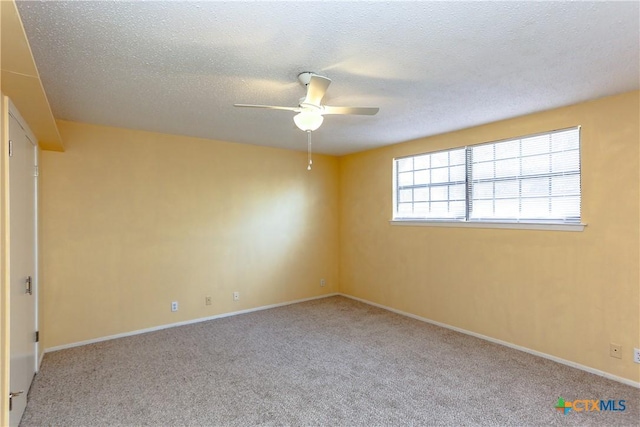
x: 474, y: 224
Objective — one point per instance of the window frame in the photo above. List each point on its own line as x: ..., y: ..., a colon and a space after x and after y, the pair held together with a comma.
x: 467, y: 221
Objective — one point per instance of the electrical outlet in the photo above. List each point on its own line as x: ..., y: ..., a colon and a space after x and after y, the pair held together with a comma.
x: 174, y: 306
x: 323, y: 282
x: 636, y: 355
x: 615, y: 350
x: 236, y: 296
x: 207, y: 301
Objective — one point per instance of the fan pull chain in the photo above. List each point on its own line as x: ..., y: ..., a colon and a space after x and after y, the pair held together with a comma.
x: 309, y: 150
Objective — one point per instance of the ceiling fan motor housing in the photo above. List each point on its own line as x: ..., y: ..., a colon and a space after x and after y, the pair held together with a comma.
x: 305, y: 77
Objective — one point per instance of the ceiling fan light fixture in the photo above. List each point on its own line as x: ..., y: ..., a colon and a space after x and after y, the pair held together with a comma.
x: 308, y: 121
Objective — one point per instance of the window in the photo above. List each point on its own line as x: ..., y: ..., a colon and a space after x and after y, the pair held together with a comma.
x: 532, y: 179
x: 432, y: 185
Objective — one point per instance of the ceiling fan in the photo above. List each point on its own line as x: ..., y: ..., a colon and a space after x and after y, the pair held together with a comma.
x: 310, y: 110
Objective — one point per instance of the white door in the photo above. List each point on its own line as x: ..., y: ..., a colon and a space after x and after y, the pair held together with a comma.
x: 22, y: 190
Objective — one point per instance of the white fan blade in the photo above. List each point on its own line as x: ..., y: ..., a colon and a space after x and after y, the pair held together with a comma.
x: 364, y: 111
x: 316, y: 89
x: 271, y: 107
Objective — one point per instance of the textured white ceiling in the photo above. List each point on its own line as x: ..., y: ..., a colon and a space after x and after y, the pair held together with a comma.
x: 431, y: 67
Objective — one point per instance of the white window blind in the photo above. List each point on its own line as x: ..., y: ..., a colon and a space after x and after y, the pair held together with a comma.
x: 432, y: 185
x: 530, y: 179
x: 535, y: 178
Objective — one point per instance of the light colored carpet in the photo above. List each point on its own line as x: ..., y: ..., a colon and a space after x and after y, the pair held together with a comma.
x: 333, y: 361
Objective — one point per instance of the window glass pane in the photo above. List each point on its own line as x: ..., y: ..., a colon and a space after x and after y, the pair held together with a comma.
x: 439, y: 193
x: 508, y: 149
x: 533, y: 145
x: 565, y: 207
x: 421, y: 177
x: 440, y: 175
x: 457, y: 157
x: 565, y: 184
x: 457, y: 209
x: 457, y: 192
x: 482, y: 209
x: 421, y: 194
x: 564, y: 141
x: 421, y: 162
x: 440, y: 209
x: 507, y: 189
x: 405, y: 164
x: 482, y: 170
x: 440, y: 159
x: 421, y: 209
x: 536, y: 208
x: 510, y: 167
x: 405, y: 178
x: 536, y: 186
x: 482, y: 153
x: 457, y: 173
x: 507, y: 208
x: 536, y: 165
x: 405, y: 208
x: 406, y: 195
x: 483, y: 190
x: 565, y: 161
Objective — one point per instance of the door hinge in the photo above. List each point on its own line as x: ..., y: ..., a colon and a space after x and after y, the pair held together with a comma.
x: 13, y: 394
x: 28, y: 285
x: 36, y: 171
x: 10, y: 148
x: 37, y: 336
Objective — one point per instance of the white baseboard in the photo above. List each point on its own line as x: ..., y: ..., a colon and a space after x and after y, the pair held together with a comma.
x: 504, y: 343
x: 186, y: 322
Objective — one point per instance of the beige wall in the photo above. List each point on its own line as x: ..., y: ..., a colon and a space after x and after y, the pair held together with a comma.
x: 562, y: 293
x: 133, y: 220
